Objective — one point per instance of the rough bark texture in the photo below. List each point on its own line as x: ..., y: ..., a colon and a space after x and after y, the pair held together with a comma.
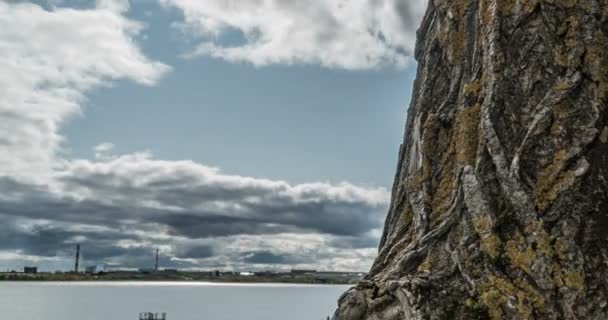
x: 500, y: 201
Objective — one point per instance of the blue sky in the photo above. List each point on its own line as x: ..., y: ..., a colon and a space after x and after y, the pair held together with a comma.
x: 300, y: 123
x: 249, y: 135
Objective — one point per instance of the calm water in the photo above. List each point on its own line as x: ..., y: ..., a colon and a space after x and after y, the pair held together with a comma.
x: 181, y: 301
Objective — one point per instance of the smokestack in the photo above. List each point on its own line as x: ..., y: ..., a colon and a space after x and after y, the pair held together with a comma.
x: 156, y: 263
x: 77, y: 258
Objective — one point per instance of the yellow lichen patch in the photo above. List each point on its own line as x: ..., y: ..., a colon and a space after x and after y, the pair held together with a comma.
x: 427, y: 264
x: 569, y: 54
x: 429, y: 150
x: 491, y: 245
x: 604, y: 135
x: 452, y: 30
x: 443, y: 195
x: 561, y: 57
x: 470, y: 303
x: 462, y: 150
x: 563, y: 85
x: 506, y: 7
x: 560, y: 249
x: 574, y: 280
x: 544, y: 200
x: 596, y: 61
x: 406, y: 216
x: 528, y: 299
x: 561, y: 110
x: 528, y: 6
x: 486, y: 14
x: 542, y: 237
x: 467, y: 135
x: 520, y: 253
x: 493, y: 300
x: 551, y: 182
x: 571, y: 279
x: 474, y: 88
x: 483, y: 224
x: 496, y: 293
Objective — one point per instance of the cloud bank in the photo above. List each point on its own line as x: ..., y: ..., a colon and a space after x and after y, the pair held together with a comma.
x: 347, y: 34
x: 48, y: 61
x: 122, y: 207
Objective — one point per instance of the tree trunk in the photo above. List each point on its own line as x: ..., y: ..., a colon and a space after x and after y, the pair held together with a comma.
x: 500, y: 201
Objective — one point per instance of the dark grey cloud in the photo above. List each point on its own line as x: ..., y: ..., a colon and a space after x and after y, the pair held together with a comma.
x: 202, y: 202
x: 198, y: 252
x: 117, y: 209
x: 357, y: 242
x: 267, y: 257
x: 264, y: 257
x: 409, y: 16
x: 204, y: 226
x: 43, y: 243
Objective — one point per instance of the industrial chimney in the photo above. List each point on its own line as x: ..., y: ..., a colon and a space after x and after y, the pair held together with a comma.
x: 156, y: 263
x: 77, y: 259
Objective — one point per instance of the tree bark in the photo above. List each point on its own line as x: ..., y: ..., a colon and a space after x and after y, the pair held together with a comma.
x: 500, y: 202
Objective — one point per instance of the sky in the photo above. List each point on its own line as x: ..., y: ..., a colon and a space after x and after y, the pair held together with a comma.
x: 237, y: 135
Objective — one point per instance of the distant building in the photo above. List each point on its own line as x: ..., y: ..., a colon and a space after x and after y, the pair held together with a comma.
x: 30, y: 269
x: 95, y: 269
x: 146, y: 270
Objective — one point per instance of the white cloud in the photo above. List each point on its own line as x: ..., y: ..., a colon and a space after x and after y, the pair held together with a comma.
x: 103, y: 150
x: 48, y: 61
x: 119, y: 6
x: 349, y: 34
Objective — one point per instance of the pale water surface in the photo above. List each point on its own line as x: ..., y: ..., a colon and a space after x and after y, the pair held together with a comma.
x: 181, y: 301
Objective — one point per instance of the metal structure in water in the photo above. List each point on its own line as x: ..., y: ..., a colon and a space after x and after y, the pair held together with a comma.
x: 152, y: 316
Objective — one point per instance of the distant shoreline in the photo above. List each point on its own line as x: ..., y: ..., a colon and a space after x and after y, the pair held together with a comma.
x: 185, y: 277
x: 139, y: 283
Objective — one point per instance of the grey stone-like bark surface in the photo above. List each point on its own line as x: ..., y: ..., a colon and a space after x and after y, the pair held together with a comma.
x: 500, y: 201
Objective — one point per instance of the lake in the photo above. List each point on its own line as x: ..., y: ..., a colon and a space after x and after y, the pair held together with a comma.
x: 180, y: 300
